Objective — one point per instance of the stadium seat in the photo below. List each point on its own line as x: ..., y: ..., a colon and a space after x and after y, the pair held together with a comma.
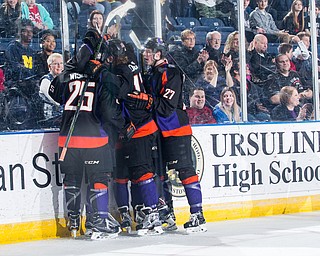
x: 213, y: 23
x: 273, y: 48
x: 191, y: 23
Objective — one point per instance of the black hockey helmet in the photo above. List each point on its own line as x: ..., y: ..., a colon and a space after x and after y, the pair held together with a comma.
x: 116, y: 48
x: 156, y: 44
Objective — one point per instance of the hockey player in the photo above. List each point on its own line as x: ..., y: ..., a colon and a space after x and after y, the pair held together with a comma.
x: 135, y: 156
x: 89, y: 149
x: 165, y: 85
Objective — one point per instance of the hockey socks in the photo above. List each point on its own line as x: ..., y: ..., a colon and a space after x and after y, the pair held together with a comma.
x: 194, y: 195
x: 121, y: 192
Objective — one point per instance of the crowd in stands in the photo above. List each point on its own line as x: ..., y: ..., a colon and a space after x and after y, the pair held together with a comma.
x: 203, y: 41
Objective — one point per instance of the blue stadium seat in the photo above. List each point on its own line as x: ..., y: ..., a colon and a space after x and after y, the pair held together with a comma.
x: 213, y: 23
x: 188, y: 22
x: 201, y: 38
x: 273, y: 48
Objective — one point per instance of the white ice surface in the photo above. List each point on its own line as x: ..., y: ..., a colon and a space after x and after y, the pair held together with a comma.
x: 282, y: 235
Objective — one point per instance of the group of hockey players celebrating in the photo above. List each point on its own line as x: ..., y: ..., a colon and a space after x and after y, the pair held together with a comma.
x: 130, y: 128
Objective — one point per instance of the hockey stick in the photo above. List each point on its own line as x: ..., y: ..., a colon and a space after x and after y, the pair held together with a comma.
x: 120, y: 11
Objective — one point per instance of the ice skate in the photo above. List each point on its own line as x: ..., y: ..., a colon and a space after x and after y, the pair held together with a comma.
x: 73, y: 224
x: 126, y: 220
x: 89, y: 225
x: 105, y: 228
x: 138, y: 214
x: 151, y: 224
x: 168, y: 222
x: 196, y: 223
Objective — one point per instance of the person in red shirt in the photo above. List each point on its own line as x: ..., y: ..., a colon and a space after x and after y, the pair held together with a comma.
x: 198, y: 112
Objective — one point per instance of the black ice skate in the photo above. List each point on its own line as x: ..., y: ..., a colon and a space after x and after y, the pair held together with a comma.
x: 73, y: 224
x: 89, y: 225
x: 167, y: 219
x: 138, y: 214
x: 151, y: 224
x: 196, y: 223
x: 105, y: 228
x: 126, y: 220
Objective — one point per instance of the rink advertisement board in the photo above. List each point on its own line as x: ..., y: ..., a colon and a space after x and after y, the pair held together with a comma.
x: 245, y: 170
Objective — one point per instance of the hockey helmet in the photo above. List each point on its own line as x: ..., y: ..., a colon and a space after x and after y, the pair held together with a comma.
x: 156, y: 44
x: 116, y: 48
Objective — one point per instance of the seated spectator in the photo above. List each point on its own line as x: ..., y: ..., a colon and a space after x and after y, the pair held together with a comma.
x: 287, y: 49
x: 10, y: 12
x: 248, y: 30
x: 261, y: 63
x: 48, y: 45
x: 293, y: 22
x: 302, y: 58
x: 212, y: 83
x: 19, y: 55
x: 213, y: 44
x: 96, y: 21
x: 189, y: 60
x: 263, y: 23
x: 55, y: 66
x: 20, y: 75
x: 198, y: 112
x: 257, y: 112
x: 227, y: 110
x: 87, y: 6
x: 222, y: 9
x: 231, y: 46
x: 37, y: 14
x: 285, y: 77
x: 288, y: 109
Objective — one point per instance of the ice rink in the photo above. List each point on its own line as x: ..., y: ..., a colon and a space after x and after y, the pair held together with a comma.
x: 281, y: 235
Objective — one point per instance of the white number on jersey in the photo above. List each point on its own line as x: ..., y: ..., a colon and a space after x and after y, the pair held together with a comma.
x: 75, y: 88
x: 169, y: 94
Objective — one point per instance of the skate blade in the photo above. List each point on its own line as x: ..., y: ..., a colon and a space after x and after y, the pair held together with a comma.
x: 200, y: 228
x: 169, y: 227
x: 150, y: 232
x: 73, y: 233
x: 88, y: 233
x: 98, y: 236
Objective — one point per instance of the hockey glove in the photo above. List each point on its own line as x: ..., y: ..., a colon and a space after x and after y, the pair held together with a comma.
x: 139, y: 100
x: 93, y: 68
x: 127, y: 132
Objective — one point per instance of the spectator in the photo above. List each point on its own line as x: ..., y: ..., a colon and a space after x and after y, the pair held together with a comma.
x: 262, y: 22
x: 20, y: 70
x: 256, y: 110
x: 248, y: 30
x: 87, y: 6
x: 189, y: 60
x: 302, y: 57
x: 227, y: 110
x: 261, y: 62
x: 37, y: 14
x: 212, y: 83
x: 55, y: 67
x: 198, y: 112
x: 231, y: 46
x: 287, y: 49
x: 48, y: 45
x: 293, y: 22
x: 288, y: 109
x: 222, y: 9
x: 285, y: 77
x: 19, y: 56
x: 213, y: 44
x: 10, y: 12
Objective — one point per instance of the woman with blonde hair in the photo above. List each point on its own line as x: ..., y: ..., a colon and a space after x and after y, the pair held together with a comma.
x: 293, y: 22
x: 231, y: 46
x: 227, y: 110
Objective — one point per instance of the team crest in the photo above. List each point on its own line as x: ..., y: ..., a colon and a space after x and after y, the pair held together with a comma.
x: 198, y: 164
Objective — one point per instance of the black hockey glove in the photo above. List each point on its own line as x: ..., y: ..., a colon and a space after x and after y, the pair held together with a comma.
x: 127, y: 132
x: 93, y: 68
x: 139, y: 100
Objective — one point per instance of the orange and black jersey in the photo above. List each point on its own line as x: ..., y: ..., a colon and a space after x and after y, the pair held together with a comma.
x: 98, y: 108
x: 142, y: 119
x: 165, y: 84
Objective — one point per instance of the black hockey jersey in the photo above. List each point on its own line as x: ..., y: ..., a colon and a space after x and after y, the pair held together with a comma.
x: 142, y: 119
x: 165, y: 85
x: 98, y: 109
